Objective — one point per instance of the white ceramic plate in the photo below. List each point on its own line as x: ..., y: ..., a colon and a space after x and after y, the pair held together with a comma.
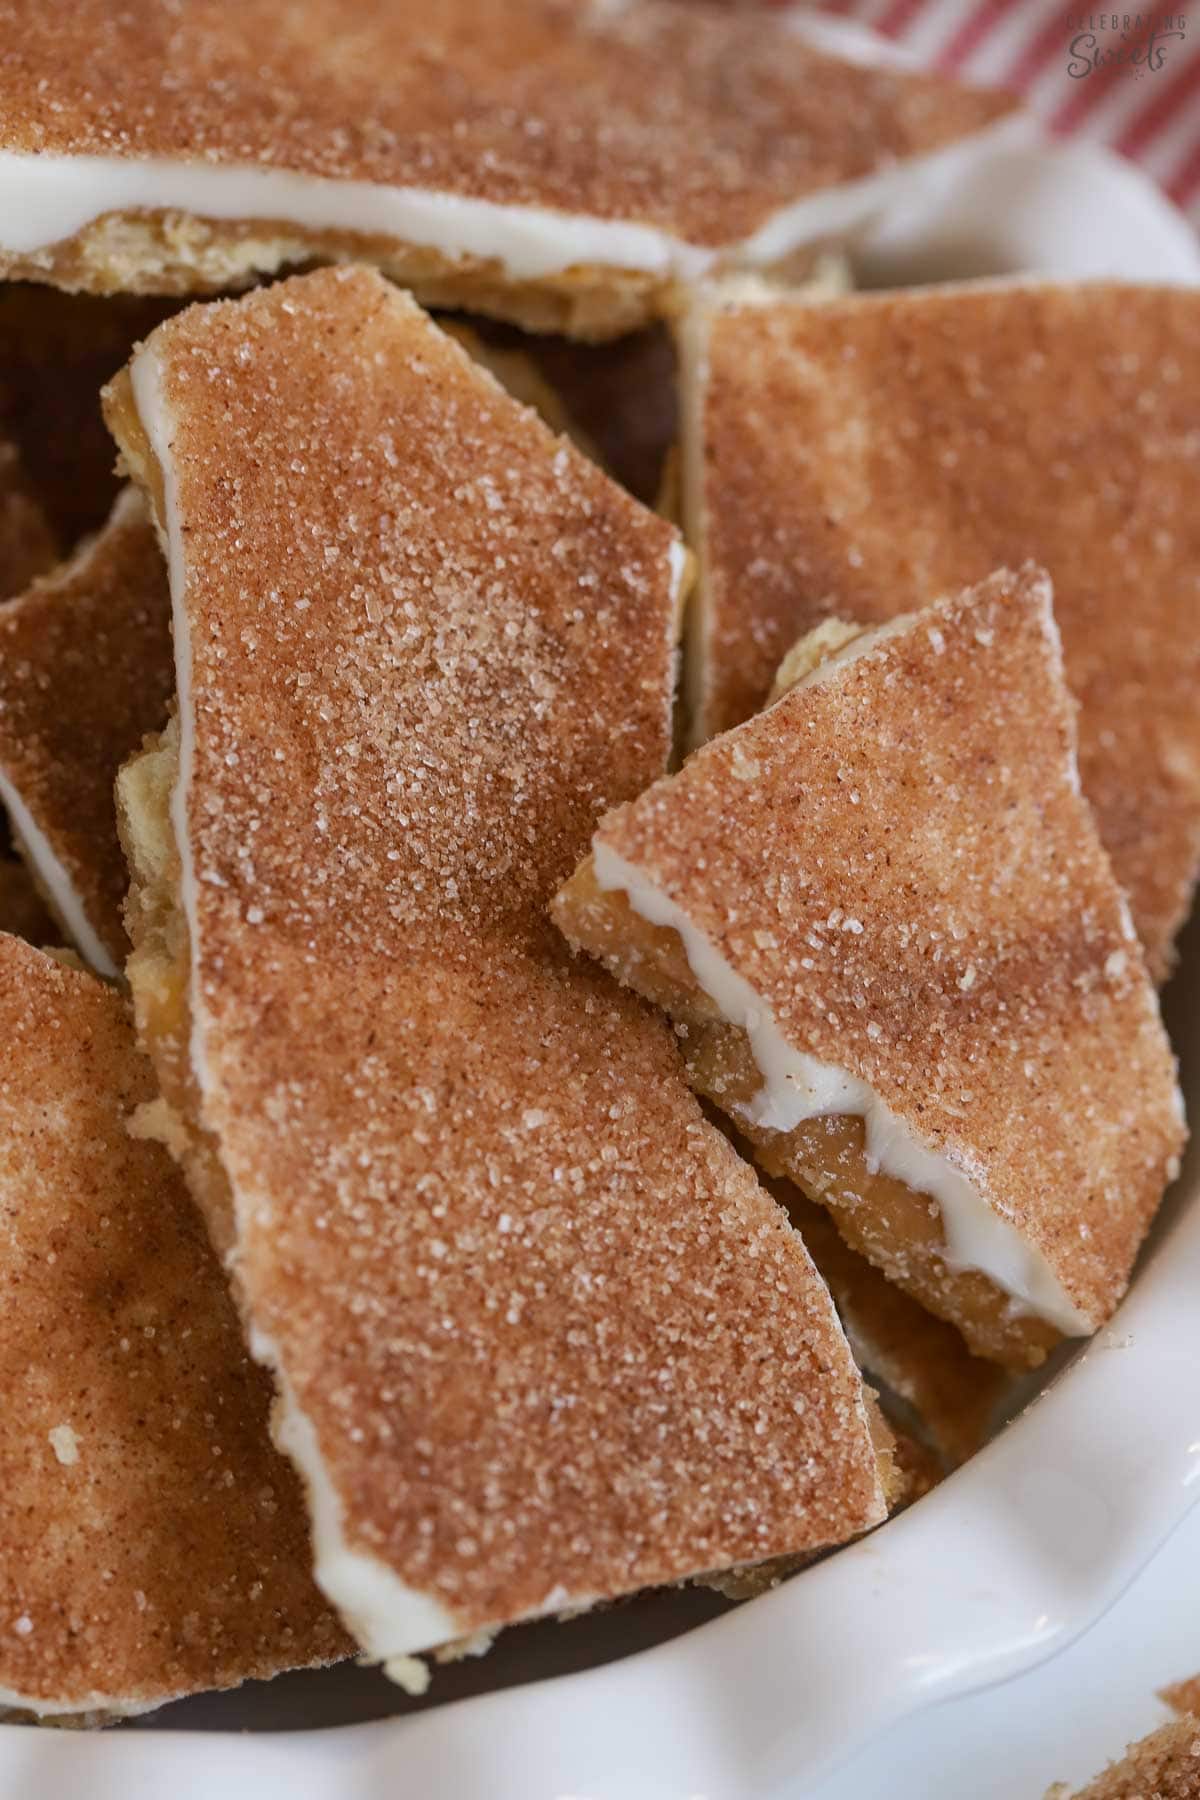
x: 1000, y: 1567
x: 1061, y: 1721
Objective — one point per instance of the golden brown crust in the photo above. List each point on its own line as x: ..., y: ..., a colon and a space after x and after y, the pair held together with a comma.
x: 1183, y: 1696
x: 151, y: 1542
x: 921, y: 1468
x: 85, y: 672
x: 896, y: 858
x: 1163, y: 1766
x: 27, y: 546
x: 658, y: 113
x: 158, y: 972
x: 143, y: 255
x: 867, y: 455
x: 476, y: 1210
x: 918, y: 1357
x: 810, y: 651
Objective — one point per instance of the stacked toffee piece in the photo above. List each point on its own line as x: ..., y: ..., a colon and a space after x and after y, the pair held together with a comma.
x: 458, y: 1163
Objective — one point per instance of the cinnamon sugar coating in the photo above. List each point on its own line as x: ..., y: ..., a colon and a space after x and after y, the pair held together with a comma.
x: 1183, y: 1696
x: 1163, y: 1766
x: 657, y: 114
x: 152, y: 1543
x: 508, y: 355
x: 85, y: 673
x: 554, y: 1340
x: 865, y: 456
x: 897, y: 859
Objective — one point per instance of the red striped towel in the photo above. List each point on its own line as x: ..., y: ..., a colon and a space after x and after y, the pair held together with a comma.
x: 1122, y: 77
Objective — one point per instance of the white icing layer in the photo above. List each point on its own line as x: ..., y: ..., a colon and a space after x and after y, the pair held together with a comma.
x: 797, y: 1087
x: 49, y: 199
x: 388, y: 1618
x: 58, y: 884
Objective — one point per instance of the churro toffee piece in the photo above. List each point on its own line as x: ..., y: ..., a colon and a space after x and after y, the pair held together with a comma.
x: 1183, y: 1697
x: 1165, y: 1765
x: 540, y: 1337
x: 563, y: 164
x: 881, y: 912
x: 85, y: 673
x: 862, y: 457
x: 152, y: 1543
